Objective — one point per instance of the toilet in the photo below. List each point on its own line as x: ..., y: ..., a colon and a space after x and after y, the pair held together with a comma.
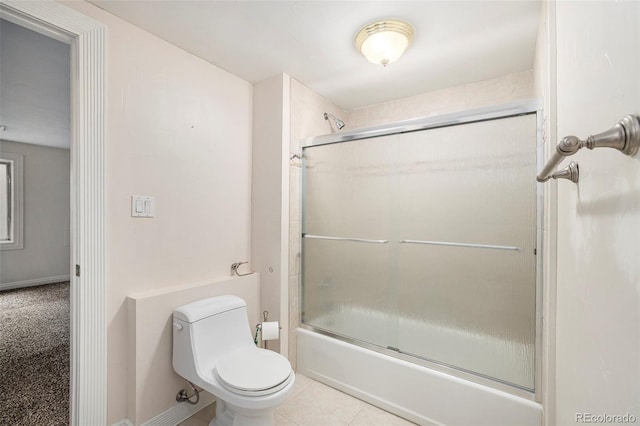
x: 213, y: 348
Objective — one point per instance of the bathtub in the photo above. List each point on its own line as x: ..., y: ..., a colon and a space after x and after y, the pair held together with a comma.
x: 415, y: 392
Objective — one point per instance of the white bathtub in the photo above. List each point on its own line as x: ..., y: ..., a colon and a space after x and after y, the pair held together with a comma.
x: 418, y: 393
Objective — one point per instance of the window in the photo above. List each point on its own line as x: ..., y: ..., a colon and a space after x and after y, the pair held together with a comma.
x: 11, y: 201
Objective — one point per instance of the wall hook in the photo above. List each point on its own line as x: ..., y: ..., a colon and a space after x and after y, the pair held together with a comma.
x: 234, y: 269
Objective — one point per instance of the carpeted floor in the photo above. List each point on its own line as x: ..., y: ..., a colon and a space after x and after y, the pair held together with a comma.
x: 34, y: 355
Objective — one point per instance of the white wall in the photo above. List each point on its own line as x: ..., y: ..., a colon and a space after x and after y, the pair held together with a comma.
x: 269, y: 201
x: 598, y: 284
x: 179, y: 129
x: 45, y: 256
x: 35, y: 86
x: 505, y: 89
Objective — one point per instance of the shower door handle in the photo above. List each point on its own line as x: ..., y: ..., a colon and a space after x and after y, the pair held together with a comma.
x: 452, y: 244
x: 355, y: 240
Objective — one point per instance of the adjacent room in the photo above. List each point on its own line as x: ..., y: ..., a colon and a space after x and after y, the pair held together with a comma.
x: 35, y: 233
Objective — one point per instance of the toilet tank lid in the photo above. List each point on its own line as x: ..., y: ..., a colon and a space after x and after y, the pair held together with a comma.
x: 204, y: 308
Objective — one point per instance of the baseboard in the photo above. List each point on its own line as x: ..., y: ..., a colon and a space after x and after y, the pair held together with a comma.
x: 31, y: 283
x: 124, y: 422
x: 180, y: 412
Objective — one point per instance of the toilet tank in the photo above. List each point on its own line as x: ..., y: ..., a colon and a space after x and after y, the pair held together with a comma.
x: 207, y: 329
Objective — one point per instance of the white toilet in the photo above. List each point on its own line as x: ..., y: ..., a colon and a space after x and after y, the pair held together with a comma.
x: 213, y: 348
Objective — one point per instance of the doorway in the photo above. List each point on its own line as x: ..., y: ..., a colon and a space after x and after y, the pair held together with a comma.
x: 35, y: 237
x: 87, y: 282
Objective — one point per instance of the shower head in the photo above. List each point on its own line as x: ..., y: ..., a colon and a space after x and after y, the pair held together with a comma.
x: 339, y: 123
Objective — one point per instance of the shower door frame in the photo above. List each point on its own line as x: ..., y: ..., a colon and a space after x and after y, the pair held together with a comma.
x: 446, y: 120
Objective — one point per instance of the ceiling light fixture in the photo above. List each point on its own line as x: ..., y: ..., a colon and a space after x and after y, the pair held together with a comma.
x: 385, y: 41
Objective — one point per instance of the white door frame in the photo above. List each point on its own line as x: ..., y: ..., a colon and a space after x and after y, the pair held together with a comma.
x: 88, y: 290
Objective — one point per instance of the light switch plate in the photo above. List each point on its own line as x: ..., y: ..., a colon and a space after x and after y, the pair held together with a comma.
x: 143, y: 206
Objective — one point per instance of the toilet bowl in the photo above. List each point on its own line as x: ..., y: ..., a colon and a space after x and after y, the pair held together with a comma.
x: 213, y: 348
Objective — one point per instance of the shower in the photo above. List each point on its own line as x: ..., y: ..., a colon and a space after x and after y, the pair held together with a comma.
x: 402, y: 253
x: 339, y: 123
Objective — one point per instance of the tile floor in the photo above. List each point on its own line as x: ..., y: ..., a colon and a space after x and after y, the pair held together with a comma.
x: 315, y: 404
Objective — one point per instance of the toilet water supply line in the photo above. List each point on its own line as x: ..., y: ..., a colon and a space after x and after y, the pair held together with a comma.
x: 182, y: 395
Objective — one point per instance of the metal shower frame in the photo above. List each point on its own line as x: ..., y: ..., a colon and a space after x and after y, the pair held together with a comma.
x: 445, y: 120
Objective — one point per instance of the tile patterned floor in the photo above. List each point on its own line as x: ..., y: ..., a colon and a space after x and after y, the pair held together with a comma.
x: 314, y: 404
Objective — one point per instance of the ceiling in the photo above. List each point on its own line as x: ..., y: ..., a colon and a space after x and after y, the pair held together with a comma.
x: 456, y: 42
x: 34, y: 87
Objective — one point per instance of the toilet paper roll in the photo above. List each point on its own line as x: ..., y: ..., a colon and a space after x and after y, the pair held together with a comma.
x: 270, y: 330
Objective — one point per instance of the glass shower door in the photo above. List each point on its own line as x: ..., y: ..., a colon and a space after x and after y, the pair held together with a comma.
x: 424, y: 243
x: 466, y: 200
x: 347, y: 198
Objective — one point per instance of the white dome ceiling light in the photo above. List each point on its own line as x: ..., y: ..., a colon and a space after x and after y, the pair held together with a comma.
x: 385, y: 41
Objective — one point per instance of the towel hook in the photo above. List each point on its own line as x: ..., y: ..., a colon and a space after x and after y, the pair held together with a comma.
x: 234, y: 269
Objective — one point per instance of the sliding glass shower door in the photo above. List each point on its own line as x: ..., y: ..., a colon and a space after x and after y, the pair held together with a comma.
x: 347, y: 221
x: 424, y: 243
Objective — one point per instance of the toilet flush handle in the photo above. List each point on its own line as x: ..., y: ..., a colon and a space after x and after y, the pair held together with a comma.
x: 177, y: 326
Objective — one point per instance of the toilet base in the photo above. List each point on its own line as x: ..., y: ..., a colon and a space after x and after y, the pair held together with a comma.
x: 230, y: 416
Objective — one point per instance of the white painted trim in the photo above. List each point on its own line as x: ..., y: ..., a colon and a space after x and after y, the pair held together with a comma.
x: 17, y: 202
x: 39, y: 27
x: 34, y: 282
x: 124, y: 422
x: 88, y: 292
x: 550, y: 227
x: 284, y: 216
x: 180, y: 412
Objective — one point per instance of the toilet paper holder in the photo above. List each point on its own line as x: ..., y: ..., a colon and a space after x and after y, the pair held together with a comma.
x: 265, y: 318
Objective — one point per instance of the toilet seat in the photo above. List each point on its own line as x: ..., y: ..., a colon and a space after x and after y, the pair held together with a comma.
x: 253, y: 372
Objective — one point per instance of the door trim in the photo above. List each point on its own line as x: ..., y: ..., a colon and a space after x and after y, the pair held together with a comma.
x: 87, y: 38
